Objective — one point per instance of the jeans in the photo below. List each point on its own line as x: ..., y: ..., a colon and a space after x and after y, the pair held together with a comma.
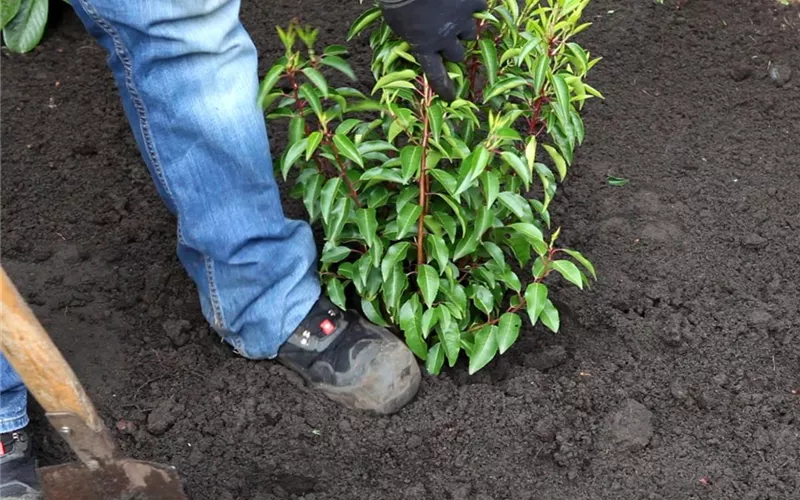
x: 187, y: 74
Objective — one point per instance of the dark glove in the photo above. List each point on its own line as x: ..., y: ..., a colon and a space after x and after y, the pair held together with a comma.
x: 433, y: 28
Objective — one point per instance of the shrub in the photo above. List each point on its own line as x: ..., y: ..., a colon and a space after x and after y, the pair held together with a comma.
x: 436, y: 213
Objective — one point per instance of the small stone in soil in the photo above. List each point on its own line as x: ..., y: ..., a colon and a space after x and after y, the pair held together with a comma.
x: 678, y: 391
x: 780, y: 74
x: 631, y: 427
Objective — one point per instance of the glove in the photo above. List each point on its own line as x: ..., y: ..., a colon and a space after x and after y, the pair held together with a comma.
x: 433, y: 28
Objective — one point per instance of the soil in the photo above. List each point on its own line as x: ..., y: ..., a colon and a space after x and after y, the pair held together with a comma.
x: 674, y: 377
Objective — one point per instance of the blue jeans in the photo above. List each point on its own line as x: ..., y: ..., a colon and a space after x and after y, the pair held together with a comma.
x: 187, y: 74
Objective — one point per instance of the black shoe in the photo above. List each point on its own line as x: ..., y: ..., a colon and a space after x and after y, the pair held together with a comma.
x: 18, y: 478
x: 352, y: 361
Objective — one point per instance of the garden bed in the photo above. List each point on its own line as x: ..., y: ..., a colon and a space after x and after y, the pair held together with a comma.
x: 674, y: 377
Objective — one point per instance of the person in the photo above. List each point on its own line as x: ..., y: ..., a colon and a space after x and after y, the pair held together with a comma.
x: 187, y: 75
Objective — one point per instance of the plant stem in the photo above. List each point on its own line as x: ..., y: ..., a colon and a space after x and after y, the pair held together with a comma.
x: 423, y: 173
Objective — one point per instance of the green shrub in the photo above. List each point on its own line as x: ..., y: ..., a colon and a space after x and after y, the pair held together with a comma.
x: 436, y: 213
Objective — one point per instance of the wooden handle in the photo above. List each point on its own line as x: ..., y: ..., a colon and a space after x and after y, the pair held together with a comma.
x: 38, y: 361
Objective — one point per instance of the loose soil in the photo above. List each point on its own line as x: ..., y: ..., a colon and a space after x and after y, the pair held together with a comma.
x: 674, y: 377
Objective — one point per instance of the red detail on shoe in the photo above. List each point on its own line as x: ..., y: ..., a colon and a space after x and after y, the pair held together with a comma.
x: 2, y: 449
x: 327, y: 327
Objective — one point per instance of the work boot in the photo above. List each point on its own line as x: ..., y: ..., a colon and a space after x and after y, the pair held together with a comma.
x: 355, y: 363
x: 18, y: 478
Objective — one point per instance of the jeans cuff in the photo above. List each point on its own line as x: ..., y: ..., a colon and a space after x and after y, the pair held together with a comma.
x: 14, y: 423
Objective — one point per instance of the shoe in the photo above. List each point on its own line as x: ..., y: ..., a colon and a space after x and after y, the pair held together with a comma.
x: 355, y: 363
x: 18, y: 478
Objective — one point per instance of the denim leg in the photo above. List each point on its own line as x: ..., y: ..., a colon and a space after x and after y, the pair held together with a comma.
x: 187, y: 74
x: 13, y: 399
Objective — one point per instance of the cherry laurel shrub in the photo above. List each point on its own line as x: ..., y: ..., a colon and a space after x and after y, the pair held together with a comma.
x: 436, y: 214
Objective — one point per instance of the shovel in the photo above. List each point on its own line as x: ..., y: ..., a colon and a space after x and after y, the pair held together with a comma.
x: 101, y: 474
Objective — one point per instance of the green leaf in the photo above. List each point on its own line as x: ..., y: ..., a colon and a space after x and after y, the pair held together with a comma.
x: 495, y: 251
x: 297, y: 126
x: 491, y: 187
x: 456, y: 210
x: 429, y: 319
x: 310, y: 95
x: 267, y: 84
x: 449, y: 336
x: 561, y: 165
x: 335, y: 292
x: 489, y: 56
x: 445, y: 179
x: 396, y: 253
x: 372, y: 313
x: 410, y: 324
x: 472, y: 167
x: 292, y: 155
x: 465, y: 246
x: 394, y: 287
x: 485, y: 348
x: 438, y: 249
x: 519, y: 167
x: 508, y: 331
x: 617, y: 181
x: 410, y: 160
x: 583, y: 261
x: 312, y: 190
x: 403, y: 75
x: 435, y: 119
x: 502, y: 87
x: 24, y: 31
x: 517, y: 204
x: 363, y: 21
x: 428, y: 282
x: 562, y: 98
x: 367, y: 224
x: 317, y: 79
x: 334, y: 50
x: 328, y: 196
x: 550, y: 317
x: 569, y: 271
x: 340, y: 215
x: 348, y: 149
x: 435, y: 359
x: 406, y: 219
x: 339, y: 64
x: 484, y: 299
x: 448, y: 223
x: 314, y: 138
x: 540, y: 73
x: 334, y: 254
x: 535, y: 300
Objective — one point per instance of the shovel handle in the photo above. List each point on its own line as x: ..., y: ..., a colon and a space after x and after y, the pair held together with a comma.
x: 38, y: 361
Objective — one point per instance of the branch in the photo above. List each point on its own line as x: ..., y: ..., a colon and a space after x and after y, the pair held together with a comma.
x: 423, y: 173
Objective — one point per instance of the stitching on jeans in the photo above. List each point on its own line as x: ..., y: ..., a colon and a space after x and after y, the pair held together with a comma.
x: 141, y: 112
x: 216, y: 307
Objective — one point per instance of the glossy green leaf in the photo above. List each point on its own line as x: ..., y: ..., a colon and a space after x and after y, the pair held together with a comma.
x: 517, y: 204
x: 535, y: 300
x: 550, y: 317
x: 335, y: 292
x: 540, y: 72
x: 346, y: 147
x: 569, y: 271
x: 308, y: 93
x: 403, y: 75
x: 472, y: 167
x: 449, y: 336
x: 410, y: 160
x: 328, y: 197
x: 502, y: 87
x: 435, y: 360
x: 429, y: 319
x: 491, y: 186
x: 267, y: 84
x: 582, y: 260
x: 436, y: 119
x: 519, y: 166
x: 317, y: 79
x: 562, y: 98
x: 438, y: 249
x: 310, y: 197
x: 340, y: 65
x: 334, y: 254
x: 449, y: 182
x: 485, y: 348
x: 484, y: 300
x: 363, y: 21
x: 407, y: 219
x: 428, y: 282
x: 372, y: 313
x: 24, y: 31
x: 367, y: 224
x: 340, y: 215
x: 394, y: 287
x: 508, y: 331
x: 448, y: 223
x: 410, y: 324
x: 314, y: 139
x: 396, y: 253
x: 292, y: 155
x: 489, y: 56
x: 561, y: 164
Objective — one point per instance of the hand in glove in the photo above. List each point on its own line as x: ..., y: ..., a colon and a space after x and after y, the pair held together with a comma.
x: 434, y: 29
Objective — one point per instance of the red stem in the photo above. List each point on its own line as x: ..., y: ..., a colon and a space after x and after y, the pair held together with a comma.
x: 423, y: 175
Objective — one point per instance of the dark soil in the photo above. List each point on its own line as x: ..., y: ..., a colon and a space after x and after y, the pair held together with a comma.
x: 675, y: 377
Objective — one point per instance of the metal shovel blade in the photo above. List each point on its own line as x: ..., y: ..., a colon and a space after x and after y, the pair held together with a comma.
x: 116, y: 479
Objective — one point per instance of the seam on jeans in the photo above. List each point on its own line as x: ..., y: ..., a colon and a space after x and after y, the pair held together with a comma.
x: 216, y: 306
x: 181, y: 239
x: 141, y: 111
